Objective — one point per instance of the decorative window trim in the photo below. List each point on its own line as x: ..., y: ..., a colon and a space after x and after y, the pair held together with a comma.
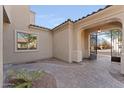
x: 28, y: 32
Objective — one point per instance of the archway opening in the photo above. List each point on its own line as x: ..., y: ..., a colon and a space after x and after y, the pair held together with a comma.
x: 105, y: 40
x: 109, y: 44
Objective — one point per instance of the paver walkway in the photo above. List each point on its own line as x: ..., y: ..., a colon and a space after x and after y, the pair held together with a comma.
x: 87, y: 74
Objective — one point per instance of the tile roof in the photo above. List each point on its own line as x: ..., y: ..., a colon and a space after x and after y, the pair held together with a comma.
x: 63, y: 23
x: 101, y: 9
x: 32, y: 25
x: 93, y: 12
x: 84, y: 16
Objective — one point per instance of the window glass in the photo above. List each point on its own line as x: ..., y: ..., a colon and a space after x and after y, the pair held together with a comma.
x: 26, y: 41
x: 116, y: 42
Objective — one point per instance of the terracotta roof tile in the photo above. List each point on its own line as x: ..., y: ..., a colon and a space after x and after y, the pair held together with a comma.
x: 63, y: 23
x: 31, y: 25
x: 93, y: 13
x: 75, y: 20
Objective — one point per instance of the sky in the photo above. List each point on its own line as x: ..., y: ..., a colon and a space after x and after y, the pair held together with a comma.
x: 50, y: 16
x: 104, y: 37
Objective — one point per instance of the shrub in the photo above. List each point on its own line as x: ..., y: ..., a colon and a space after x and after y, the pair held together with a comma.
x: 23, y: 78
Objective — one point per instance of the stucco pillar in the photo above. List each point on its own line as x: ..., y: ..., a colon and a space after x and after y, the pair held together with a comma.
x: 122, y: 52
x: 77, y: 50
x: 70, y: 40
x: 1, y: 46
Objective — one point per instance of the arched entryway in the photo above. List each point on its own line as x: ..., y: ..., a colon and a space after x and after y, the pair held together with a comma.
x: 105, y: 39
x: 112, y: 17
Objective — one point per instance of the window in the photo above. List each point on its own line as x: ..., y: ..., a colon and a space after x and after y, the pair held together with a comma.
x: 26, y: 41
x: 116, y: 42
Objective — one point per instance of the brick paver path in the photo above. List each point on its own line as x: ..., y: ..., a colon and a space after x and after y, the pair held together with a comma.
x: 87, y: 74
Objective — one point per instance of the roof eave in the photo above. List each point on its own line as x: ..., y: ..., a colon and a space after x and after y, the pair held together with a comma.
x: 40, y: 27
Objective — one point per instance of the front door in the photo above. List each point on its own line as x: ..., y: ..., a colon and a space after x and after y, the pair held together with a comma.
x: 93, y: 45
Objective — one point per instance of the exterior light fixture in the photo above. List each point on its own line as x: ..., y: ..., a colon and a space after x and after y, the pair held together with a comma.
x: 99, y: 31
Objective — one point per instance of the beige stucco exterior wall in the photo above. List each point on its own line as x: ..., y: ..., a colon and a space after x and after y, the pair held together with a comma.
x: 122, y: 54
x: 1, y: 45
x: 20, y: 21
x: 32, y: 17
x: 86, y: 44
x: 111, y: 14
x: 8, y: 11
x: 68, y: 42
x: 62, y: 42
x: 71, y: 27
x: 45, y: 43
x: 77, y: 47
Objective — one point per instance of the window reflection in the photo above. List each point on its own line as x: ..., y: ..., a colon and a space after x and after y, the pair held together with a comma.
x: 116, y: 42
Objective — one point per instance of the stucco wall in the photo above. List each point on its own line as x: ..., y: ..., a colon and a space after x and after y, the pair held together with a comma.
x: 8, y: 11
x: 61, y: 42
x: 77, y: 45
x: 111, y: 14
x: 32, y: 17
x: 66, y: 45
x: 20, y: 16
x: 1, y: 46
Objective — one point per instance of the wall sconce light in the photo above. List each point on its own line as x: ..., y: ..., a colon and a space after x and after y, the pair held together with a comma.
x: 99, y: 30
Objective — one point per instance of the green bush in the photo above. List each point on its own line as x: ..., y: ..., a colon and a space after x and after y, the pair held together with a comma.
x: 23, y: 78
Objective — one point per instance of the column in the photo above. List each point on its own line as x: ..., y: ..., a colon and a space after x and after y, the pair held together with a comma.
x: 1, y: 45
x: 77, y: 50
x: 122, y: 53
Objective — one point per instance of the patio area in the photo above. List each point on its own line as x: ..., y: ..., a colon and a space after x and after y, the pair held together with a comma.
x: 99, y: 73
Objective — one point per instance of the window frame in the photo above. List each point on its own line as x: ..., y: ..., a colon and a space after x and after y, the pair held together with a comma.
x: 29, y: 32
